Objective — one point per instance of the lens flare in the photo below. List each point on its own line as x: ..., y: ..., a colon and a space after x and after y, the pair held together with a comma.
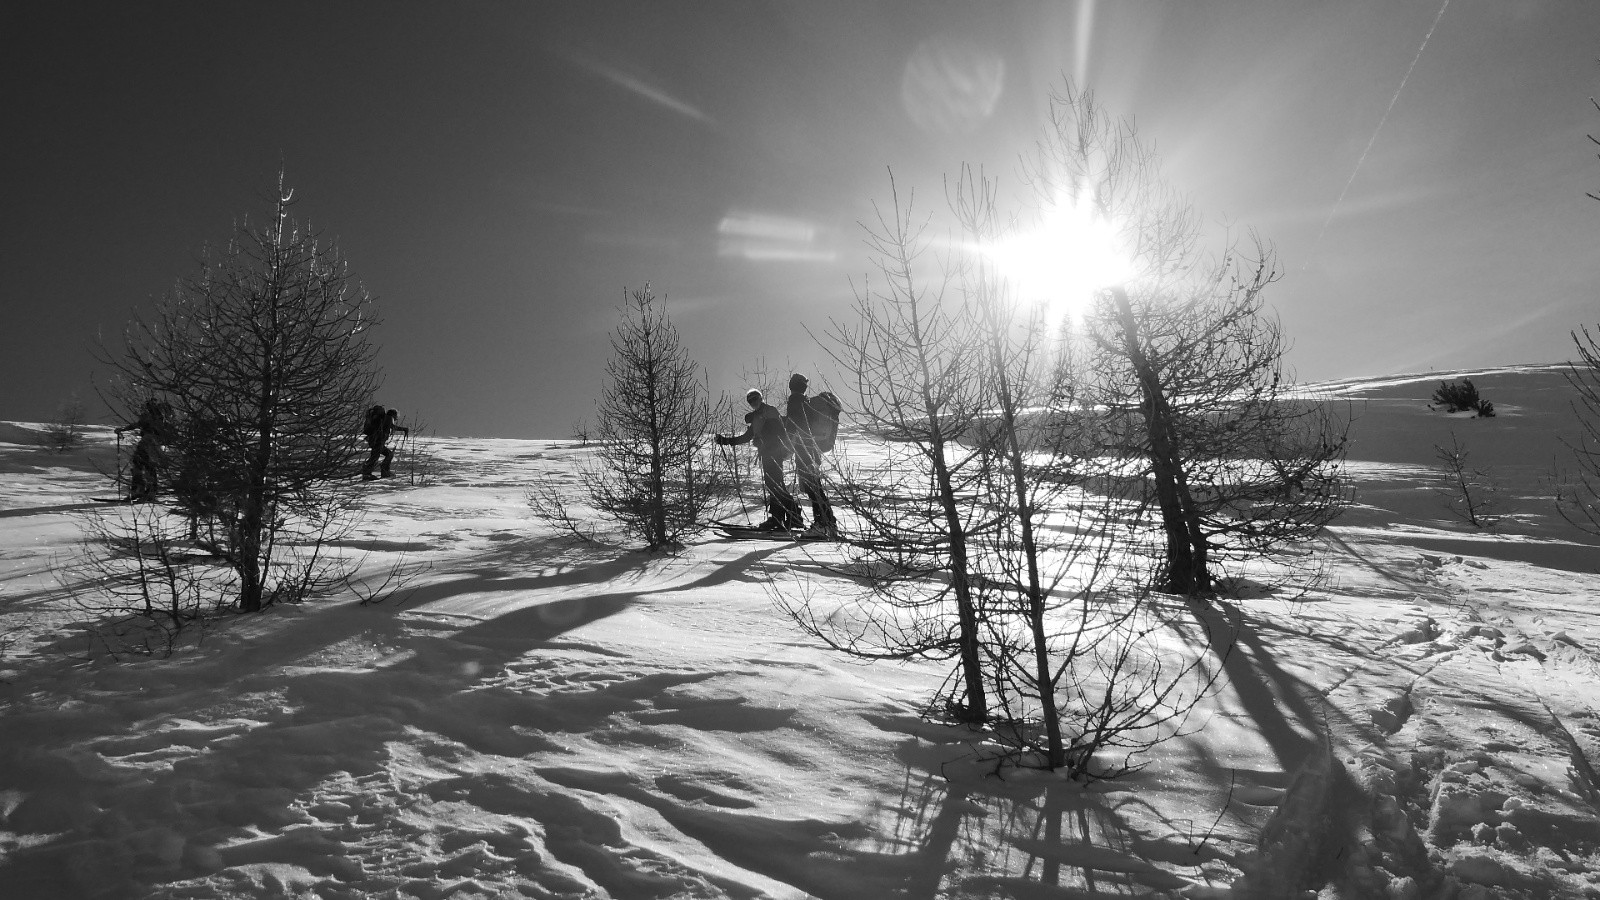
x: 951, y: 86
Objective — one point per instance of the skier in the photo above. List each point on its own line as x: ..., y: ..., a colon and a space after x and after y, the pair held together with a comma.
x: 148, y: 458
x: 804, y: 421
x: 764, y: 426
x: 379, y: 426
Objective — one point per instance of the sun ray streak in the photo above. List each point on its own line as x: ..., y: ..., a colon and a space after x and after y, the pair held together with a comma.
x: 1085, y: 29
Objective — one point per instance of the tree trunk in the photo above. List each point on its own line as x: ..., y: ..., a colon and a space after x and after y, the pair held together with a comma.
x: 977, y: 706
x: 1187, y: 570
x: 1021, y: 497
x: 249, y: 559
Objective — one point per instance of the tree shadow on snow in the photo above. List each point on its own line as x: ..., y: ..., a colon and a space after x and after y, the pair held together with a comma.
x: 1277, y: 702
x: 303, y: 721
x: 958, y: 829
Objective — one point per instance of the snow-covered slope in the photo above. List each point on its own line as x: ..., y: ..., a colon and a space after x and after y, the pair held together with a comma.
x: 536, y: 717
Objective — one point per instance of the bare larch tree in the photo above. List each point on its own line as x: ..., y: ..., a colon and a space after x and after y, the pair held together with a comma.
x: 652, y: 427
x: 1077, y: 672
x: 1191, y: 366
x: 912, y: 358
x: 1578, y: 494
x: 264, y: 360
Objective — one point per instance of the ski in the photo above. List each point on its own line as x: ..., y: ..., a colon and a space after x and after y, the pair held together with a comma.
x: 736, y: 526
x: 111, y: 499
x: 741, y: 531
x: 747, y: 532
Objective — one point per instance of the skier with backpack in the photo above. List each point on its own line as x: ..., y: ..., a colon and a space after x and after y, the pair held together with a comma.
x: 149, y: 458
x: 379, y: 425
x: 813, y: 427
x: 764, y: 426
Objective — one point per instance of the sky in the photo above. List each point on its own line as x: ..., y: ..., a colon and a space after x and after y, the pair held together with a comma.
x: 500, y: 174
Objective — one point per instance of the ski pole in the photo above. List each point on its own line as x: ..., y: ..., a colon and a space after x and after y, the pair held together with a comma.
x: 738, y: 479
x: 400, y: 452
x: 411, y: 469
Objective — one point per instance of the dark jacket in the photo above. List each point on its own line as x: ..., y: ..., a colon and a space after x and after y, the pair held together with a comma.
x: 797, y: 413
x: 765, y: 426
x: 379, y: 429
x: 153, y: 426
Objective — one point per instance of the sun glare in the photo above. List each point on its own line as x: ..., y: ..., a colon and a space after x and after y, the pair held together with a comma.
x: 1062, y: 261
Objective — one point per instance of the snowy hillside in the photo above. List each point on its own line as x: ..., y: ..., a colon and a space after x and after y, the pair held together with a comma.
x: 536, y: 717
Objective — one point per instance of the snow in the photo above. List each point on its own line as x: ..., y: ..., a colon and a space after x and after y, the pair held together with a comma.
x: 529, y: 716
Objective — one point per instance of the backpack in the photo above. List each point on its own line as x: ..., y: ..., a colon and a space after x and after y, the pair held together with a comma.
x: 822, y: 410
x: 374, y: 424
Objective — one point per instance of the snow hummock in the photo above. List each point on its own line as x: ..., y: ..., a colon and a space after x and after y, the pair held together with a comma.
x: 535, y: 717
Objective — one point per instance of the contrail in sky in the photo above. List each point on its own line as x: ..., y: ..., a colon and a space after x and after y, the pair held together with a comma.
x: 1392, y: 101
x: 647, y: 91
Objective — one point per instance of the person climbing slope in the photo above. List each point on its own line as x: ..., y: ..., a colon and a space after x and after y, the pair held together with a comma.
x: 378, y: 427
x: 764, y: 427
x: 810, y: 426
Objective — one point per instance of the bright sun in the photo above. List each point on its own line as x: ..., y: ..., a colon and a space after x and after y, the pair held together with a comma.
x: 1062, y: 261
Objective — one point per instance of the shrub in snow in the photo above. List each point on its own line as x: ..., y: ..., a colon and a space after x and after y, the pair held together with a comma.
x: 65, y: 431
x: 1462, y: 396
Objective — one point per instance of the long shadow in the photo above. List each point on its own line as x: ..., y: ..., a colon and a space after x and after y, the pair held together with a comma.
x: 959, y: 837
x: 1410, y: 584
x: 1077, y: 842
x: 43, y: 510
x: 1276, y: 701
x: 960, y: 829
x: 494, y: 573
x: 46, y: 596
x: 354, y: 713
x: 1583, y: 559
x: 1044, y: 839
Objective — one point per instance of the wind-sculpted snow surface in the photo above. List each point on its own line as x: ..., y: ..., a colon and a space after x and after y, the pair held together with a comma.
x: 534, y: 717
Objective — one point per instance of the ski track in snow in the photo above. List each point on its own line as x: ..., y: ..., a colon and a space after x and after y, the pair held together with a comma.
x: 532, y: 717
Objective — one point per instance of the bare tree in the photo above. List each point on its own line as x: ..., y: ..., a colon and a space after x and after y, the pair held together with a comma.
x: 978, y: 513
x: 1020, y: 566
x: 1471, y: 493
x: 1075, y: 667
x: 1578, y: 493
x: 264, y: 359
x: 65, y: 431
x: 654, y: 476
x: 1594, y: 140
x: 913, y: 357
x: 581, y: 432
x: 1190, y: 365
